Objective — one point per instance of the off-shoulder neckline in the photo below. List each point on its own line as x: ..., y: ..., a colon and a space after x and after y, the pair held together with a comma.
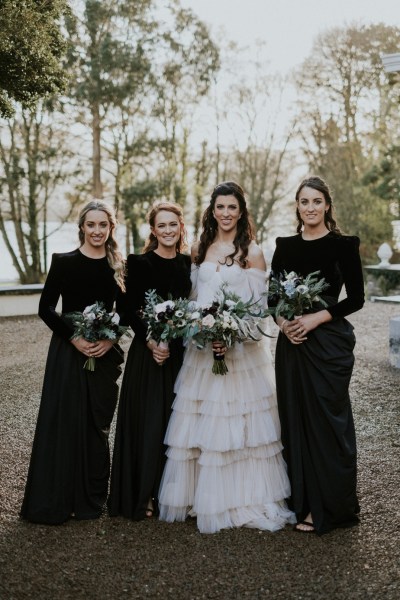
x: 210, y: 262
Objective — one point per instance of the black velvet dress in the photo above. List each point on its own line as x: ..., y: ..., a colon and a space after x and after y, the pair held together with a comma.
x: 147, y: 390
x: 70, y: 462
x: 313, y: 380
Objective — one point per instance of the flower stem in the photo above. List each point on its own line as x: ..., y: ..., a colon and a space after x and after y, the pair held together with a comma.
x: 90, y: 364
x: 219, y: 365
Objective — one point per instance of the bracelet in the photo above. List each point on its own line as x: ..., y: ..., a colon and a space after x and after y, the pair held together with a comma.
x: 282, y: 324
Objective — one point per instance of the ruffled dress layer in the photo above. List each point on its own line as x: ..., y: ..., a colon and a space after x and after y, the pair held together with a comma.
x: 224, y: 463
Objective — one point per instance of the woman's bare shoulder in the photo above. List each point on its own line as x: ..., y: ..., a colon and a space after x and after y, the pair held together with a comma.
x: 256, y: 257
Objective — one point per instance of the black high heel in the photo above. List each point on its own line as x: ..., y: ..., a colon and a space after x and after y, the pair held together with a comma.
x: 313, y: 530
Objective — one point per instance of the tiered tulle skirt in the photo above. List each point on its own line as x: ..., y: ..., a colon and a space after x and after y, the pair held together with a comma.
x: 224, y: 458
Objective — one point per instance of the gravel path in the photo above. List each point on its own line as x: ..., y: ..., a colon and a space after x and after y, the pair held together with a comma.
x: 116, y: 558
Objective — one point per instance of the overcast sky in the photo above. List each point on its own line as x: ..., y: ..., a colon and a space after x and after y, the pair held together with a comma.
x: 289, y: 26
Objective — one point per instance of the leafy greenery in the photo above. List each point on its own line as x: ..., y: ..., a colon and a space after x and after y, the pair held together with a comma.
x: 349, y: 116
x: 32, y: 47
x: 292, y: 295
x: 384, y: 178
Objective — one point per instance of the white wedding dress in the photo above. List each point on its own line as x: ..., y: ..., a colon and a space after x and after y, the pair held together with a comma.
x: 224, y: 463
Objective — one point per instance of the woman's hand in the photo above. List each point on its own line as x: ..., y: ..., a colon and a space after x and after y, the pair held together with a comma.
x: 101, y: 348
x: 160, y: 354
x: 219, y: 348
x: 83, y: 346
x: 296, y: 331
x: 95, y: 349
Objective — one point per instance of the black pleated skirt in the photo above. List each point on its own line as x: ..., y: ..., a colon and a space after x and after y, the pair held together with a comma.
x: 145, y: 405
x: 70, y: 461
x: 317, y: 424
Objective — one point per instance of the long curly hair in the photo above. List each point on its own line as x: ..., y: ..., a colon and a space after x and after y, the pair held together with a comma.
x: 245, y: 233
x: 114, y: 256
x: 316, y: 183
x: 152, y: 242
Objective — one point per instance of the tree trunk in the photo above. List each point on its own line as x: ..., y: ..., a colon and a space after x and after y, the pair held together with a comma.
x: 135, y: 237
x: 96, y: 159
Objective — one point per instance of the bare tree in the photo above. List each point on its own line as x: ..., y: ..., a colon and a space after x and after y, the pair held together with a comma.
x: 34, y: 162
x: 345, y: 110
x: 258, y: 156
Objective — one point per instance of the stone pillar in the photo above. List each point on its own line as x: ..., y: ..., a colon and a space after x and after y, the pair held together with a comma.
x: 396, y: 234
x: 394, y: 342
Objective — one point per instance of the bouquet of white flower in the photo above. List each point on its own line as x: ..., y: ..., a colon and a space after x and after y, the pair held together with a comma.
x: 165, y: 319
x: 294, y: 294
x: 227, y: 320
x: 94, y: 324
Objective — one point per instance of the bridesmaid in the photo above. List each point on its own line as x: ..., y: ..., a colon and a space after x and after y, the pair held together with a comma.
x: 314, y: 362
x: 148, y: 383
x: 70, y: 463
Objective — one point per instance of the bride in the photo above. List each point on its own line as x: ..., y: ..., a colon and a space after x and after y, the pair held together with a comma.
x: 224, y: 464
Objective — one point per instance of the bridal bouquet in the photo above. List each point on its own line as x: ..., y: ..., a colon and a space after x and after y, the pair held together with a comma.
x: 165, y: 319
x: 227, y: 320
x: 94, y: 324
x: 295, y: 294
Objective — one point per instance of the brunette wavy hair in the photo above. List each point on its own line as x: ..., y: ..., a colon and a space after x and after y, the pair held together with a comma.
x: 114, y: 256
x: 316, y: 183
x: 245, y: 233
x: 152, y: 242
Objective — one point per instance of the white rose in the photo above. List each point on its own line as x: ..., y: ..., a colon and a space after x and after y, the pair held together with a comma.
x: 195, y: 315
x: 115, y: 319
x: 162, y: 307
x: 90, y: 316
x: 208, y: 321
x: 88, y: 309
x: 292, y: 275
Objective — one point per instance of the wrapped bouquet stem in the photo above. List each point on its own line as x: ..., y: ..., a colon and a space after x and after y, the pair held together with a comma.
x: 219, y: 366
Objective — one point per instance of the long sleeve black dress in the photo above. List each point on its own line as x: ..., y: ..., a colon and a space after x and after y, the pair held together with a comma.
x: 70, y: 462
x: 313, y: 380
x: 147, y: 390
